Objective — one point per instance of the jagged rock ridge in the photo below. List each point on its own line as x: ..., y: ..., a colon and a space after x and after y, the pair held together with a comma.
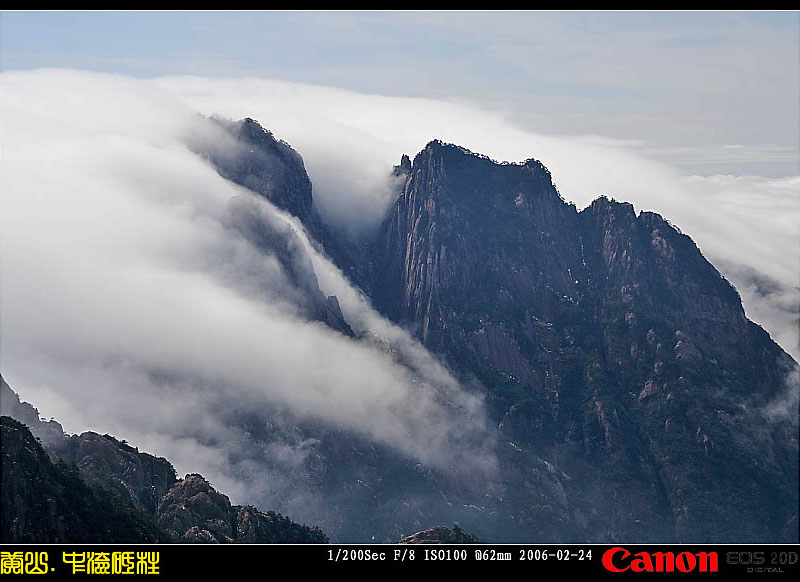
x: 95, y: 488
x: 606, y: 342
x: 441, y: 535
x: 42, y: 502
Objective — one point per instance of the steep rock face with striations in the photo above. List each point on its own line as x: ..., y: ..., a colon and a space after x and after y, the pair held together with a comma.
x: 606, y: 343
x: 266, y: 165
x: 271, y: 168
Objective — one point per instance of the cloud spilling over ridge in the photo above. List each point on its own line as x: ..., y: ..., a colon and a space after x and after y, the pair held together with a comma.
x: 130, y: 306
x: 746, y: 225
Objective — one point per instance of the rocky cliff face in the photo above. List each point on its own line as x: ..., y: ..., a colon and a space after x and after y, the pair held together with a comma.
x: 441, y: 535
x: 193, y: 511
x: 42, y: 502
x: 140, y: 478
x: 253, y: 158
x: 606, y: 343
x: 272, y: 169
x: 261, y: 163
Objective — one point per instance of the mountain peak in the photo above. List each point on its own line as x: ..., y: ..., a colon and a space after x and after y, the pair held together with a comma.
x: 439, y: 146
x: 610, y: 205
x: 536, y: 166
x: 599, y: 332
x: 404, y: 167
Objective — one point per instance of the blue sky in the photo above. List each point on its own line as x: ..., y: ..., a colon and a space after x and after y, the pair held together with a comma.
x: 688, y: 86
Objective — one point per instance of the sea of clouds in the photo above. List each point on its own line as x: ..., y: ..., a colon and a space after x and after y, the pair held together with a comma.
x: 129, y: 307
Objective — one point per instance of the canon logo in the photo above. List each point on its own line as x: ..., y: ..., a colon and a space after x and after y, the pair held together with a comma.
x: 621, y: 560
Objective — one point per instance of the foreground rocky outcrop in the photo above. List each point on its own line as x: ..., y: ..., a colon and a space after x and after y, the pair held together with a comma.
x: 193, y: 511
x: 441, y: 535
x: 43, y: 502
x: 101, y: 489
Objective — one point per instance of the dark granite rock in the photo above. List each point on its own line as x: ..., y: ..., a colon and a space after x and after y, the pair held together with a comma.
x: 591, y: 331
x: 101, y: 489
x: 441, y: 535
x: 42, y: 502
x: 49, y: 432
x: 252, y: 525
x: 193, y: 511
x: 140, y: 478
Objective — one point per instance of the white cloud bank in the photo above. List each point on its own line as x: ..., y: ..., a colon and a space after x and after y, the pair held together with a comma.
x: 128, y: 307
x: 125, y: 295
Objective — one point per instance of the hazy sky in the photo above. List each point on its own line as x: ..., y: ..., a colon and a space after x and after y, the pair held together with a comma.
x: 709, y: 92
